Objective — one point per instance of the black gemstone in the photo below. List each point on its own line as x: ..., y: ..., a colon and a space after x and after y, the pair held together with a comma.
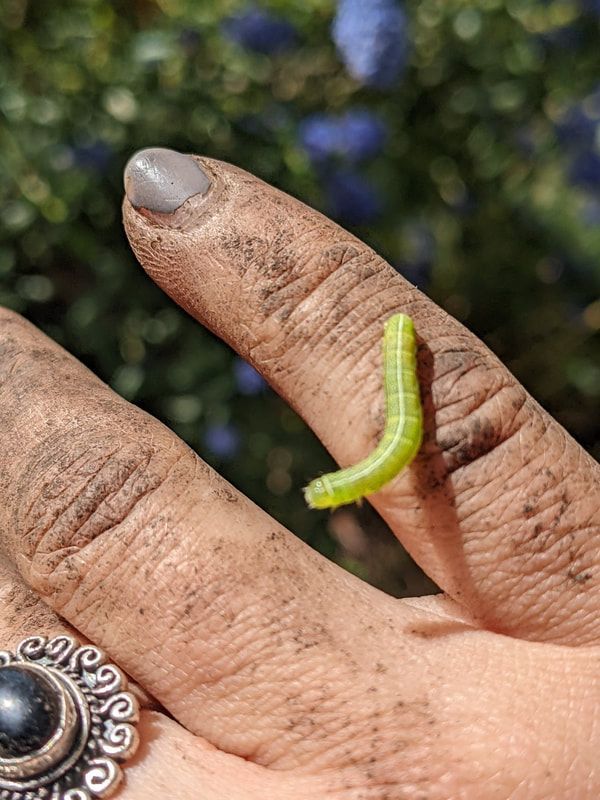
x: 29, y: 711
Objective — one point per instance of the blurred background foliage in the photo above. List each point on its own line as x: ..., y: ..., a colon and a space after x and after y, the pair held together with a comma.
x: 460, y: 139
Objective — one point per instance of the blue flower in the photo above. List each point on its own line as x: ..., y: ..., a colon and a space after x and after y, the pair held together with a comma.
x: 248, y: 380
x: 585, y: 170
x: 591, y: 212
x: 94, y: 155
x: 222, y: 440
x: 593, y: 6
x: 319, y: 135
x: 258, y: 30
x: 363, y: 134
x: 372, y: 39
x: 417, y: 273
x: 355, y: 136
x: 352, y: 199
x: 565, y: 36
x: 420, y: 248
x: 577, y: 128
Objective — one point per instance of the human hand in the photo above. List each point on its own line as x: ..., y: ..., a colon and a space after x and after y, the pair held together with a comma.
x: 285, y: 676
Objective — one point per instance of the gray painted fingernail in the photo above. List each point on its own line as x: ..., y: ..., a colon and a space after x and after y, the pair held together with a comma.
x: 161, y: 180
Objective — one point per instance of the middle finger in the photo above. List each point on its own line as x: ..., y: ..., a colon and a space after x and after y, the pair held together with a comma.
x: 500, y: 508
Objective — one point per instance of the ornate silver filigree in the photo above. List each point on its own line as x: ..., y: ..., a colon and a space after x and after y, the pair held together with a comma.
x: 95, y: 731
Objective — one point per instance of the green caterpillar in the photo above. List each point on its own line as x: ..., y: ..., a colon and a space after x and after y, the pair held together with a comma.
x: 403, y: 432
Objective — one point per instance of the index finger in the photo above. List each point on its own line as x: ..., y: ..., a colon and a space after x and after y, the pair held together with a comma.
x: 501, y: 507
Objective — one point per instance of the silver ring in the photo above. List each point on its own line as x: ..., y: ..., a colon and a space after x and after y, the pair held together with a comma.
x: 67, y: 721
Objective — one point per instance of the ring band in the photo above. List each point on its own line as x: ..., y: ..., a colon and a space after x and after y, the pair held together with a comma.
x: 67, y: 721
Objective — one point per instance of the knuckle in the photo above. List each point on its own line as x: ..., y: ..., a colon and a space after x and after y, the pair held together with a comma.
x: 99, y: 489
x: 291, y: 282
x: 295, y: 275
x: 320, y: 300
x: 476, y: 403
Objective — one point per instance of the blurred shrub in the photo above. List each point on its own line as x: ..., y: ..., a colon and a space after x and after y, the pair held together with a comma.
x: 467, y: 136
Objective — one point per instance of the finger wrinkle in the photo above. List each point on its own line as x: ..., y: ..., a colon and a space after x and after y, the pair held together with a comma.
x: 296, y: 257
x: 319, y: 304
x: 483, y: 433
x: 123, y: 479
x: 121, y: 476
x: 337, y: 318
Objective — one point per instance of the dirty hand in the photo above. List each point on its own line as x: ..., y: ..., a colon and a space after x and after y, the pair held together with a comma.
x: 283, y: 676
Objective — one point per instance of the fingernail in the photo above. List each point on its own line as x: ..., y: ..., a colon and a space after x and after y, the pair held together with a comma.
x: 161, y: 180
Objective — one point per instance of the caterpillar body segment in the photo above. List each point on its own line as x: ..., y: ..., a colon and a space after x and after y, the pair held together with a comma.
x: 403, y: 432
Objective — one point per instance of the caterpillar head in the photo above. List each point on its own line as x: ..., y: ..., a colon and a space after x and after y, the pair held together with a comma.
x: 318, y: 493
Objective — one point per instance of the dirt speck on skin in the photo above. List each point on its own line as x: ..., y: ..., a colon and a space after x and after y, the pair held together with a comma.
x: 579, y: 577
x: 23, y: 612
x: 376, y: 765
x: 545, y: 534
x: 476, y: 440
x: 529, y: 509
x: 579, y: 573
x: 434, y: 476
x: 227, y: 493
x: 279, y: 538
x: 562, y: 508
